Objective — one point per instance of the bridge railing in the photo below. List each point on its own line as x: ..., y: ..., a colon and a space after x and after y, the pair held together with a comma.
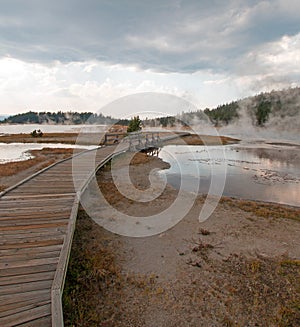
x: 142, y: 140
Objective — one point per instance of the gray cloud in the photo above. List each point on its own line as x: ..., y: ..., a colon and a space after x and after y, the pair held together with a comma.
x: 170, y: 36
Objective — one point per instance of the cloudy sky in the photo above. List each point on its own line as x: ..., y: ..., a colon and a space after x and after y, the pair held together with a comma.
x: 81, y: 55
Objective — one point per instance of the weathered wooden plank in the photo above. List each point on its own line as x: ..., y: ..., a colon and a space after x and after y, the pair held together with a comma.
x: 8, y: 301
x: 28, y: 270
x: 36, y: 197
x: 26, y: 206
x: 45, y: 189
x: 28, y: 263
x: 23, y: 233
x: 58, y: 213
x: 43, y: 209
x: 29, y: 256
x: 44, y: 322
x: 41, y: 249
x: 23, y: 306
x: 26, y: 316
x: 8, y: 280
x: 28, y: 222
x: 30, y: 192
x: 49, y: 186
x: 23, y: 225
x: 25, y: 287
x: 31, y: 244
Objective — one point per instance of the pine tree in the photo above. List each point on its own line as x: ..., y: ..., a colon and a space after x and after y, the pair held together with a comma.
x: 134, y: 125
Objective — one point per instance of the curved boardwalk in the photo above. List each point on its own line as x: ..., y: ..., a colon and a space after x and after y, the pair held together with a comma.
x: 36, y: 227
x: 37, y: 222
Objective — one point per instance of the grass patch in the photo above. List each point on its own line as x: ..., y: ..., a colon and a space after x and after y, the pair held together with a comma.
x: 195, y: 139
x: 266, y: 210
x: 93, y: 279
x: 263, y: 289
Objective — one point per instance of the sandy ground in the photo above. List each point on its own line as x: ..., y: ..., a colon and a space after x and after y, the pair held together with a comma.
x: 238, y: 268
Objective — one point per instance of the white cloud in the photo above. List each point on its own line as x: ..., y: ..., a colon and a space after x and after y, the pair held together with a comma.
x: 84, y: 55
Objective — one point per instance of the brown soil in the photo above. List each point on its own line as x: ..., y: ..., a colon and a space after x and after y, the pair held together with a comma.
x: 239, y: 268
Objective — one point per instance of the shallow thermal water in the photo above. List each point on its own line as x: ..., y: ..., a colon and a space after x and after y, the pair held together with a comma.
x: 265, y: 172
x: 19, y: 151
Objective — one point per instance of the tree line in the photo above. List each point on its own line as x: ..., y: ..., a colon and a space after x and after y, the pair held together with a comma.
x: 258, y: 108
x: 60, y: 117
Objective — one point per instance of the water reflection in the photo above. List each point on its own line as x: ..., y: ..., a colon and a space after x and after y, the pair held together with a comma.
x: 267, y: 174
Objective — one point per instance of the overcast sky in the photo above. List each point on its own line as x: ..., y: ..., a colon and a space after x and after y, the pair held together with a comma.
x: 81, y: 55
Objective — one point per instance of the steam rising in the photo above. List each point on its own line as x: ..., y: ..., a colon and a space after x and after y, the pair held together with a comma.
x: 283, y: 120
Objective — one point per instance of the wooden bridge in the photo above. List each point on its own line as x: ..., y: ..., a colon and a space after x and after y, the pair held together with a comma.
x: 136, y: 140
x: 37, y: 223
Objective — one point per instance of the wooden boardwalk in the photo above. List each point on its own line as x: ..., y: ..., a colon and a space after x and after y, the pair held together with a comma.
x: 37, y: 222
x: 36, y: 226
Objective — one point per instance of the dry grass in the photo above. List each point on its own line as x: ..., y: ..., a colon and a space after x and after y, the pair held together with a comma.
x: 95, y: 287
x: 68, y: 138
x: 266, y: 210
x: 42, y: 159
x: 263, y: 290
x: 3, y: 187
x: 239, y: 291
x: 195, y: 139
x: 93, y: 279
x: 137, y: 159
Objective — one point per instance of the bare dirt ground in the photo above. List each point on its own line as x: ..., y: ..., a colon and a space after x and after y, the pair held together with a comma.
x: 241, y: 267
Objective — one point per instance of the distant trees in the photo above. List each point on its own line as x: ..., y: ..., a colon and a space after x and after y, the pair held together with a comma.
x: 259, y: 109
x: 262, y: 112
x: 61, y: 117
x: 223, y: 114
x: 134, y: 125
